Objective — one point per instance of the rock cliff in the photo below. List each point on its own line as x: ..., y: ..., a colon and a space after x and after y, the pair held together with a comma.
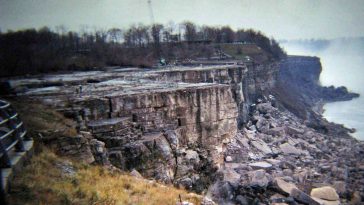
x: 252, y: 131
x: 301, y: 74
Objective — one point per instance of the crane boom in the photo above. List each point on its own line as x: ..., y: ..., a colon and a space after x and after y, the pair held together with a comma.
x: 151, y: 11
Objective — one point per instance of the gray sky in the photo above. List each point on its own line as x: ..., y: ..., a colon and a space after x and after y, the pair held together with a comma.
x: 282, y: 19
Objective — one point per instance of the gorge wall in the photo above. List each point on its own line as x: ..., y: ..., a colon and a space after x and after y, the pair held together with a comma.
x: 193, y: 126
x: 301, y: 74
x: 286, y: 152
x: 170, y: 124
x: 306, y: 96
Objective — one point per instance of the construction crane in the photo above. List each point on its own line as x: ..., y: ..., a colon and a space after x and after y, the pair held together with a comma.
x: 151, y: 11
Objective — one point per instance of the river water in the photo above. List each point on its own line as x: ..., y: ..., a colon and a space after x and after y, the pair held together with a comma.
x: 342, y: 65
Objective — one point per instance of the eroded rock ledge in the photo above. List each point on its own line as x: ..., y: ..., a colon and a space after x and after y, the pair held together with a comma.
x: 171, y: 124
x: 214, y: 125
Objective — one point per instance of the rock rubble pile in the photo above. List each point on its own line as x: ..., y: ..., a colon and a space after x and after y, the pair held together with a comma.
x: 276, y: 159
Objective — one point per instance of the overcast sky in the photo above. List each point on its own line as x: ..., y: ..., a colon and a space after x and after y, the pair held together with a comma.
x: 282, y: 19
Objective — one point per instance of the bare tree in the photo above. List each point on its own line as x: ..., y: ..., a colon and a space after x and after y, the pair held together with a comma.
x: 115, y: 35
x: 190, y: 31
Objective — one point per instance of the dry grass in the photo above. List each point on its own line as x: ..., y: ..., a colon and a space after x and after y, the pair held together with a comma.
x: 45, y: 181
x: 39, y: 118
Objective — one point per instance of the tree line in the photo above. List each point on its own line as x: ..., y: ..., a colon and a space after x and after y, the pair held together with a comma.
x: 44, y: 50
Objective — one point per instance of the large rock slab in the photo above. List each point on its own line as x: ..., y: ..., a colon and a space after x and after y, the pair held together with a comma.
x: 232, y: 177
x: 326, y: 202
x: 288, y: 149
x: 76, y: 147
x: 284, y: 186
x: 258, y: 178
x: 326, y: 193
x: 260, y: 165
x: 265, y: 108
x: 302, y: 197
x: 262, y: 146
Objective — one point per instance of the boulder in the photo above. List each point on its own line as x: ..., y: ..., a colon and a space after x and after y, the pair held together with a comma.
x: 262, y: 146
x: 288, y: 149
x: 241, y: 200
x: 192, y: 156
x: 302, y: 197
x: 287, y: 172
x: 326, y: 193
x: 67, y: 168
x: 265, y: 108
x: 326, y: 202
x: 284, y: 186
x: 356, y: 198
x: 278, y: 199
x: 185, y: 182
x: 136, y: 174
x: 116, y: 158
x: 228, y: 159
x: 252, y: 128
x: 276, y: 131
x: 224, y: 191
x: 294, y: 130
x: 274, y: 162
x: 258, y: 178
x: 99, y: 152
x: 262, y: 125
x: 232, y: 177
x: 76, y: 147
x: 340, y: 187
x: 260, y: 165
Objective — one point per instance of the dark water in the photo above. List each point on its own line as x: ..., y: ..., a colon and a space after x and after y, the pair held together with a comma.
x: 343, y: 64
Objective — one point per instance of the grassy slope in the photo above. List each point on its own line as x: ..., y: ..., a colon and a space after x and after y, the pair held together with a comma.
x: 240, y: 51
x: 45, y: 179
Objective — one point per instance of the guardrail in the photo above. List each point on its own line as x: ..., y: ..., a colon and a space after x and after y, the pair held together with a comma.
x: 12, y: 137
x: 12, y: 133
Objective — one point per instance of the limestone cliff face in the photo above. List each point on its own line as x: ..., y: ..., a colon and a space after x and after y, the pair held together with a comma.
x: 299, y: 87
x: 204, y: 116
x: 169, y: 124
x: 303, y: 69
x: 247, y: 82
x: 258, y: 83
x: 233, y: 76
x: 182, y: 125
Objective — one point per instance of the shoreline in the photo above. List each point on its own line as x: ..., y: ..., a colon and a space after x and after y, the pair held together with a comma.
x: 319, y: 109
x: 353, y: 130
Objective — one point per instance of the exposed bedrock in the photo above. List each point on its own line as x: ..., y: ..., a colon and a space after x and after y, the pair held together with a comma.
x: 167, y: 135
x: 181, y: 125
x: 247, y: 82
x: 170, y: 124
x: 301, y: 74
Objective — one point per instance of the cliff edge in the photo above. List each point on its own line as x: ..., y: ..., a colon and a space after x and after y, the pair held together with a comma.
x: 248, y: 133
